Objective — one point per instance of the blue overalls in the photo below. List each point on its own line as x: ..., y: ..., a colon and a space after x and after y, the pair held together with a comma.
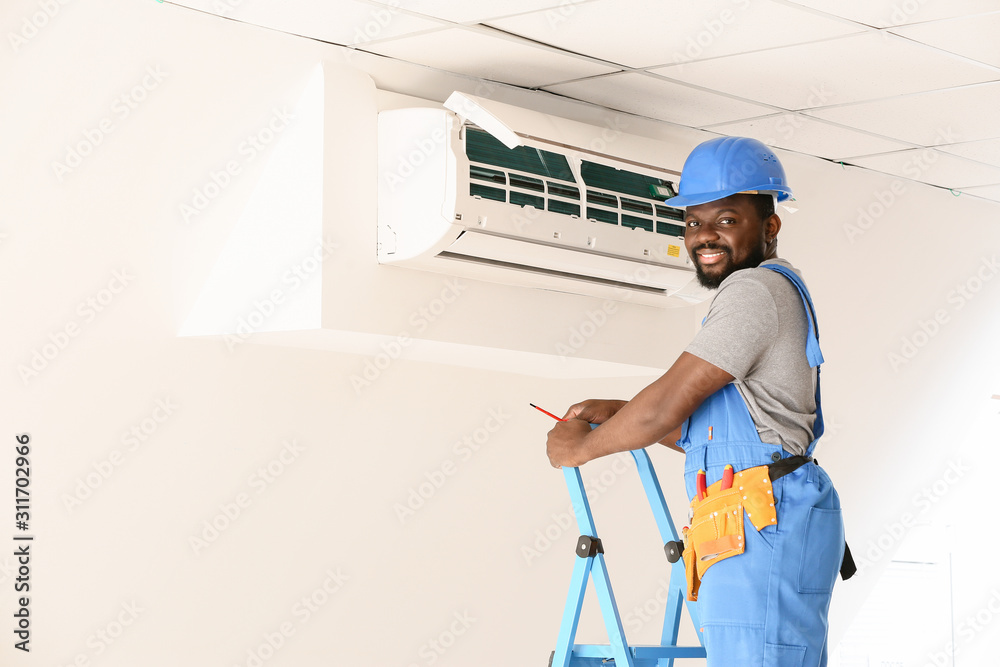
x: 768, y: 606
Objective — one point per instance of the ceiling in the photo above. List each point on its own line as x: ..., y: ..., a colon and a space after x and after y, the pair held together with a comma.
x: 910, y: 88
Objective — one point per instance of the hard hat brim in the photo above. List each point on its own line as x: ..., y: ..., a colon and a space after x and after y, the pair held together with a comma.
x: 706, y: 197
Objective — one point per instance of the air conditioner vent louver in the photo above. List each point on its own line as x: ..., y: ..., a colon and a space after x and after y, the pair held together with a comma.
x: 606, y: 186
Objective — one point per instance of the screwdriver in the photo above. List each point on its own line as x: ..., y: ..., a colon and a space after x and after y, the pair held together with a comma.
x: 727, y: 477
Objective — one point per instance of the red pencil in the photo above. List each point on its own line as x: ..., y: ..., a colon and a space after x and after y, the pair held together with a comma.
x: 547, y: 412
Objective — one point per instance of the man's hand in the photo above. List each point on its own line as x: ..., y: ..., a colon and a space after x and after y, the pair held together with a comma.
x: 565, y: 445
x: 594, y: 410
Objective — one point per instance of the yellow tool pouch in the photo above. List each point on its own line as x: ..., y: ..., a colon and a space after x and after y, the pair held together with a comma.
x: 716, y: 531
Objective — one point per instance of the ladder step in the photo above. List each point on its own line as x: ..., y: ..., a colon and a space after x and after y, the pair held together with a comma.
x: 639, y: 652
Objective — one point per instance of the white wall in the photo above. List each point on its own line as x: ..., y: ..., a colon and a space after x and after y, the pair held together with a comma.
x: 331, y: 508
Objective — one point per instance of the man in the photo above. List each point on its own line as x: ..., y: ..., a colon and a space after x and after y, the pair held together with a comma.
x: 744, y: 393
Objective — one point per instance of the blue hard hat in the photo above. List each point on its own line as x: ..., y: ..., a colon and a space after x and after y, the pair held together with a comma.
x: 727, y: 166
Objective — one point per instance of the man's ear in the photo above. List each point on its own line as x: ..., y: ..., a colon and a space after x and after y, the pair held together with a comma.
x: 772, y: 226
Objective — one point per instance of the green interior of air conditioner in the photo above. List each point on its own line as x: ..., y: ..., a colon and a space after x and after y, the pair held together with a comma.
x: 528, y: 176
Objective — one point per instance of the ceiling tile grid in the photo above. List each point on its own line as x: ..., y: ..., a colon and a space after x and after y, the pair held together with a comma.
x: 344, y: 22
x: 480, y: 11
x: 986, y: 151
x: 928, y: 165
x: 887, y: 13
x: 991, y: 192
x: 491, y: 55
x: 973, y: 37
x: 947, y: 116
x: 855, y: 68
x: 650, y: 33
x: 654, y: 97
x: 874, y: 83
x: 803, y: 134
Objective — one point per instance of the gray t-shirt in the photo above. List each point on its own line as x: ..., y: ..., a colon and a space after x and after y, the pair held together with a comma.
x: 756, y: 331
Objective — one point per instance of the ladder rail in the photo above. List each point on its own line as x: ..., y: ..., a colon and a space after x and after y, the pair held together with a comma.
x: 567, y: 653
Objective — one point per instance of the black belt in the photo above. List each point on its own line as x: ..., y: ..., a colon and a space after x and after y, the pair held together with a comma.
x: 782, y: 467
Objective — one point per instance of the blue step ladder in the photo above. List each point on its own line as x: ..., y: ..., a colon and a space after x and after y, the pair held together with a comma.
x: 590, y: 560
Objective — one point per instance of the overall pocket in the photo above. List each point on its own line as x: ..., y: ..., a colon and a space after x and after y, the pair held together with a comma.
x: 822, y: 550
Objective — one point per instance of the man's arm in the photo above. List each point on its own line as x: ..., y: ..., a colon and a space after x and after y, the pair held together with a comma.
x: 600, y: 410
x: 671, y: 440
x: 654, y: 415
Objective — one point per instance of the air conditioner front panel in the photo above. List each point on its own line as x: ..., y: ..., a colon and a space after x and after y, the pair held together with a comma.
x: 510, y: 252
x: 417, y: 183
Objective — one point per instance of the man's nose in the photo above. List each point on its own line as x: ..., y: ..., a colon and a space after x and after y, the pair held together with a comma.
x: 704, y: 234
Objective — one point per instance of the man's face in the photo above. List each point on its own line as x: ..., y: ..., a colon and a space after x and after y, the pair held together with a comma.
x: 724, y: 236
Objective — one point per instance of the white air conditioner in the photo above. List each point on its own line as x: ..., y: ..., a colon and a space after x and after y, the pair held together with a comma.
x: 462, y: 192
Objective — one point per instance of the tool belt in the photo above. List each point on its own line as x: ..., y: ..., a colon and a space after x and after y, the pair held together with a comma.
x: 717, y: 529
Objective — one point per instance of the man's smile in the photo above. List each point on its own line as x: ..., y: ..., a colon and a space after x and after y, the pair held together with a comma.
x: 710, y: 255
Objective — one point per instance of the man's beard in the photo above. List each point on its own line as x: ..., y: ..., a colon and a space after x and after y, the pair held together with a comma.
x: 752, y: 260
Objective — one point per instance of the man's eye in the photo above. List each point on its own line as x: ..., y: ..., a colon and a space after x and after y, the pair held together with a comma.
x: 692, y: 223
x: 727, y: 221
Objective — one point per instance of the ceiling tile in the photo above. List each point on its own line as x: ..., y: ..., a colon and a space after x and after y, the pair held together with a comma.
x: 931, y: 166
x: 885, y: 13
x: 987, y: 151
x: 645, y: 33
x: 347, y: 22
x: 970, y: 36
x: 475, y: 11
x: 939, y: 117
x: 986, y: 192
x: 489, y: 56
x: 837, y: 71
x: 653, y: 97
x: 808, y: 135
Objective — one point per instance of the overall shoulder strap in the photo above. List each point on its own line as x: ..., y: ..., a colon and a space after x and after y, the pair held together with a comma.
x: 813, y: 353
